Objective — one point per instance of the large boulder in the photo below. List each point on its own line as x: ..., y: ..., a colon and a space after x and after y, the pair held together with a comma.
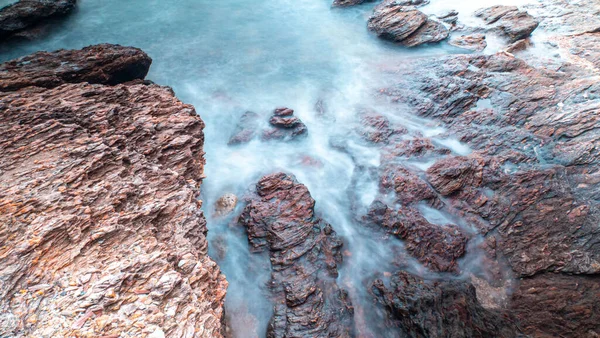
x: 25, y: 14
x: 305, y: 252
x: 104, y: 64
x: 101, y: 228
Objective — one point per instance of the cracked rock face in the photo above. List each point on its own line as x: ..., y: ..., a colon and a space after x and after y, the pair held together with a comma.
x: 305, y: 252
x: 101, y: 229
x: 25, y: 14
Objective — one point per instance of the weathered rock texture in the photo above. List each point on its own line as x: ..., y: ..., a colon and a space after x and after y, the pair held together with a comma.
x: 105, y: 64
x: 510, y: 20
x: 474, y: 42
x: 444, y: 308
x: 530, y: 184
x: 305, y: 252
x: 101, y: 232
x: 26, y: 14
x: 402, y: 23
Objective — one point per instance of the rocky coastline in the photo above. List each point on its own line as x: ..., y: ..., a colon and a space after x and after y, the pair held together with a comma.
x: 103, y: 234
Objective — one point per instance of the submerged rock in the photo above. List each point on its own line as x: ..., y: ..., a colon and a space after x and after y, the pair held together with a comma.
x: 104, y: 64
x: 25, y: 14
x: 101, y: 228
x: 305, y: 253
x: 246, y: 129
x: 225, y: 204
x: 439, y: 308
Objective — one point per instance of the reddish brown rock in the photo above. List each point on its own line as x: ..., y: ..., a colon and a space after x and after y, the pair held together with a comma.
x: 512, y: 22
x: 395, y: 22
x: 436, y: 246
x: 25, y: 14
x: 557, y: 305
x: 431, y: 31
x: 305, y: 252
x: 439, y: 308
x: 104, y: 64
x: 101, y: 229
x: 285, y: 126
x: 474, y: 42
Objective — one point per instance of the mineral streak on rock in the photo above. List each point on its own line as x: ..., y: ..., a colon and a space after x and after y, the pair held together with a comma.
x: 439, y: 308
x: 101, y: 232
x: 25, y: 14
x: 104, y: 64
x: 305, y: 252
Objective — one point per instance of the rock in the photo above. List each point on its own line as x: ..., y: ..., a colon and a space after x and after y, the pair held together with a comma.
x: 518, y: 25
x: 104, y: 64
x: 246, y: 129
x: 100, y: 213
x: 305, y: 252
x: 474, y: 42
x: 555, y: 305
x: 439, y: 308
x: 286, y: 127
x: 512, y: 22
x: 374, y: 127
x: 25, y: 14
x: 518, y: 46
x: 395, y: 22
x: 492, y: 14
x: 348, y: 3
x: 437, y: 247
x: 225, y: 204
x: 448, y: 14
x: 399, y: 22
x: 431, y: 31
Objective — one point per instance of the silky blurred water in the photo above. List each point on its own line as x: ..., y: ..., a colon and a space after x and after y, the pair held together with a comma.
x: 232, y: 56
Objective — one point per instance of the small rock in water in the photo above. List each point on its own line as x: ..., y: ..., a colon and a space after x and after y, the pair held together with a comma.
x: 285, y: 126
x: 225, y: 204
x: 519, y: 46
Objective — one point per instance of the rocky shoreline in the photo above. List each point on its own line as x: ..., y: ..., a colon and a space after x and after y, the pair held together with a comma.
x: 102, y: 231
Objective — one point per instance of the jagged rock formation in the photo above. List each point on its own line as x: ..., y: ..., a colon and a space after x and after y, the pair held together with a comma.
x: 439, y: 308
x: 25, y: 14
x: 101, y: 232
x: 305, y: 251
x: 403, y: 23
x: 104, y: 63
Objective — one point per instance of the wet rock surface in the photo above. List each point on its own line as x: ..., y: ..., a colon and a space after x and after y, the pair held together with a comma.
x: 403, y: 23
x: 26, y: 14
x: 285, y: 126
x: 104, y: 64
x: 439, y: 308
x: 101, y: 231
x: 305, y: 253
